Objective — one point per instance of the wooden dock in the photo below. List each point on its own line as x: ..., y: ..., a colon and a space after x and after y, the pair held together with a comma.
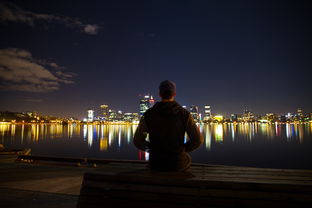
x: 124, y: 185
x: 115, y: 183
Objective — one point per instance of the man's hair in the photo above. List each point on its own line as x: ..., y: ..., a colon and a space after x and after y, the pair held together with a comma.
x: 167, y: 89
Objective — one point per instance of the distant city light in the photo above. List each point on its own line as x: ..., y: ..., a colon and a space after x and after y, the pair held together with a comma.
x: 90, y: 115
x: 146, y: 103
x: 218, y: 118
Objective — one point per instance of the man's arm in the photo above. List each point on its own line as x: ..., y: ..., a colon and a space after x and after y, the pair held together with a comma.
x: 196, y: 139
x: 140, y: 135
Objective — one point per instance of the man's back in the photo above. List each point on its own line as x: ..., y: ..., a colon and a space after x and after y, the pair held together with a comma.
x: 166, y: 124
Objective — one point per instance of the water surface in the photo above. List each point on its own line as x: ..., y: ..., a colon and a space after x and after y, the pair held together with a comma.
x: 243, y: 144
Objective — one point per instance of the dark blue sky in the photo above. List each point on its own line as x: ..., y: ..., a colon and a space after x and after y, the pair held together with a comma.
x: 229, y: 54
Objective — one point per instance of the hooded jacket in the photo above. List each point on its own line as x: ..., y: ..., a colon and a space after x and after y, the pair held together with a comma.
x: 166, y: 124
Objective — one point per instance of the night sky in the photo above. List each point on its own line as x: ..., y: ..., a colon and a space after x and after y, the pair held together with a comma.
x: 63, y: 57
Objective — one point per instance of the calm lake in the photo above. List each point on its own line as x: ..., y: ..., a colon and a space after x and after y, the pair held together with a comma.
x: 243, y: 144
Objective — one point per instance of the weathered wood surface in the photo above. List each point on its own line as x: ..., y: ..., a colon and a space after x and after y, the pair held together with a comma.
x: 131, y: 184
x: 34, y: 158
x: 118, y: 183
x: 38, y: 184
x: 41, y: 178
x: 15, y: 152
x: 17, y: 198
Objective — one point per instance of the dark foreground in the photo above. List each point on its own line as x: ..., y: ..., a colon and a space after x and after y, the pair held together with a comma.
x: 39, y: 184
x: 122, y: 184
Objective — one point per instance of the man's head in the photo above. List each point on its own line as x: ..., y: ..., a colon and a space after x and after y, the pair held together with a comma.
x: 167, y: 90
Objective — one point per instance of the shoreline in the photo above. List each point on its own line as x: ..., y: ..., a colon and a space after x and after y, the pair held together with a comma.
x: 136, y: 123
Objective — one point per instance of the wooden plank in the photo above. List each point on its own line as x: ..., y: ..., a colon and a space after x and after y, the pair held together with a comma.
x: 257, y: 180
x: 193, y: 201
x: 247, y: 174
x: 15, y: 152
x: 253, y: 176
x: 105, y: 161
x: 229, y: 174
x: 143, y: 188
x: 183, y: 180
x: 195, y: 166
x: 197, y: 191
x: 250, y: 172
x: 212, y: 177
x: 230, y: 171
x: 213, y: 186
x: 241, y: 168
x: 201, y: 168
x: 108, y: 202
x: 48, y: 158
x: 203, y: 175
x: 122, y: 166
x: 144, y: 196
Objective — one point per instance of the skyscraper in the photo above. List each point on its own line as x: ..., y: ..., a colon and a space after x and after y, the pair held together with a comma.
x: 299, y: 114
x: 145, y: 103
x: 90, y: 115
x: 104, y: 111
x: 194, y: 112
x: 112, y: 115
x: 119, y: 115
x: 234, y: 117
x: 207, y: 113
x: 248, y: 116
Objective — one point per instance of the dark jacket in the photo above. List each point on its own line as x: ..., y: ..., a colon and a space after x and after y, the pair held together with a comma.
x: 166, y: 124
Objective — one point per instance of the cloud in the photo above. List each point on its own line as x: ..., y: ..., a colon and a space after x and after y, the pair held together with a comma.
x: 12, y: 13
x: 19, y: 71
x: 91, y: 29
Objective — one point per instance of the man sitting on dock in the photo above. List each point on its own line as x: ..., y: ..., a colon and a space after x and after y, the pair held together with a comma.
x: 165, y: 124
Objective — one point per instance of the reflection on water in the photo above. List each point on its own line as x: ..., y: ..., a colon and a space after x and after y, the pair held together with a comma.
x: 116, y: 140
x: 108, y: 134
x: 117, y: 135
x: 218, y: 129
x: 207, y: 136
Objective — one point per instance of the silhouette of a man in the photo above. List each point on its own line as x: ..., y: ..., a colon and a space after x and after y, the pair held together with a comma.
x: 165, y: 124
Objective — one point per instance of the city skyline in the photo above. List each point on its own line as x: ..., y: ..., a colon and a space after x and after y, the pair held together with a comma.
x: 192, y: 108
x: 230, y: 55
x: 112, y: 116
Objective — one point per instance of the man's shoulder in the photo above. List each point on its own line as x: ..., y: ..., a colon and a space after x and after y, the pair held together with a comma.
x: 183, y: 110
x: 148, y: 112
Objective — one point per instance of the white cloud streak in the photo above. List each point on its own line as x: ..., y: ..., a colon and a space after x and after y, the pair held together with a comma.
x: 19, y: 71
x: 12, y: 13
